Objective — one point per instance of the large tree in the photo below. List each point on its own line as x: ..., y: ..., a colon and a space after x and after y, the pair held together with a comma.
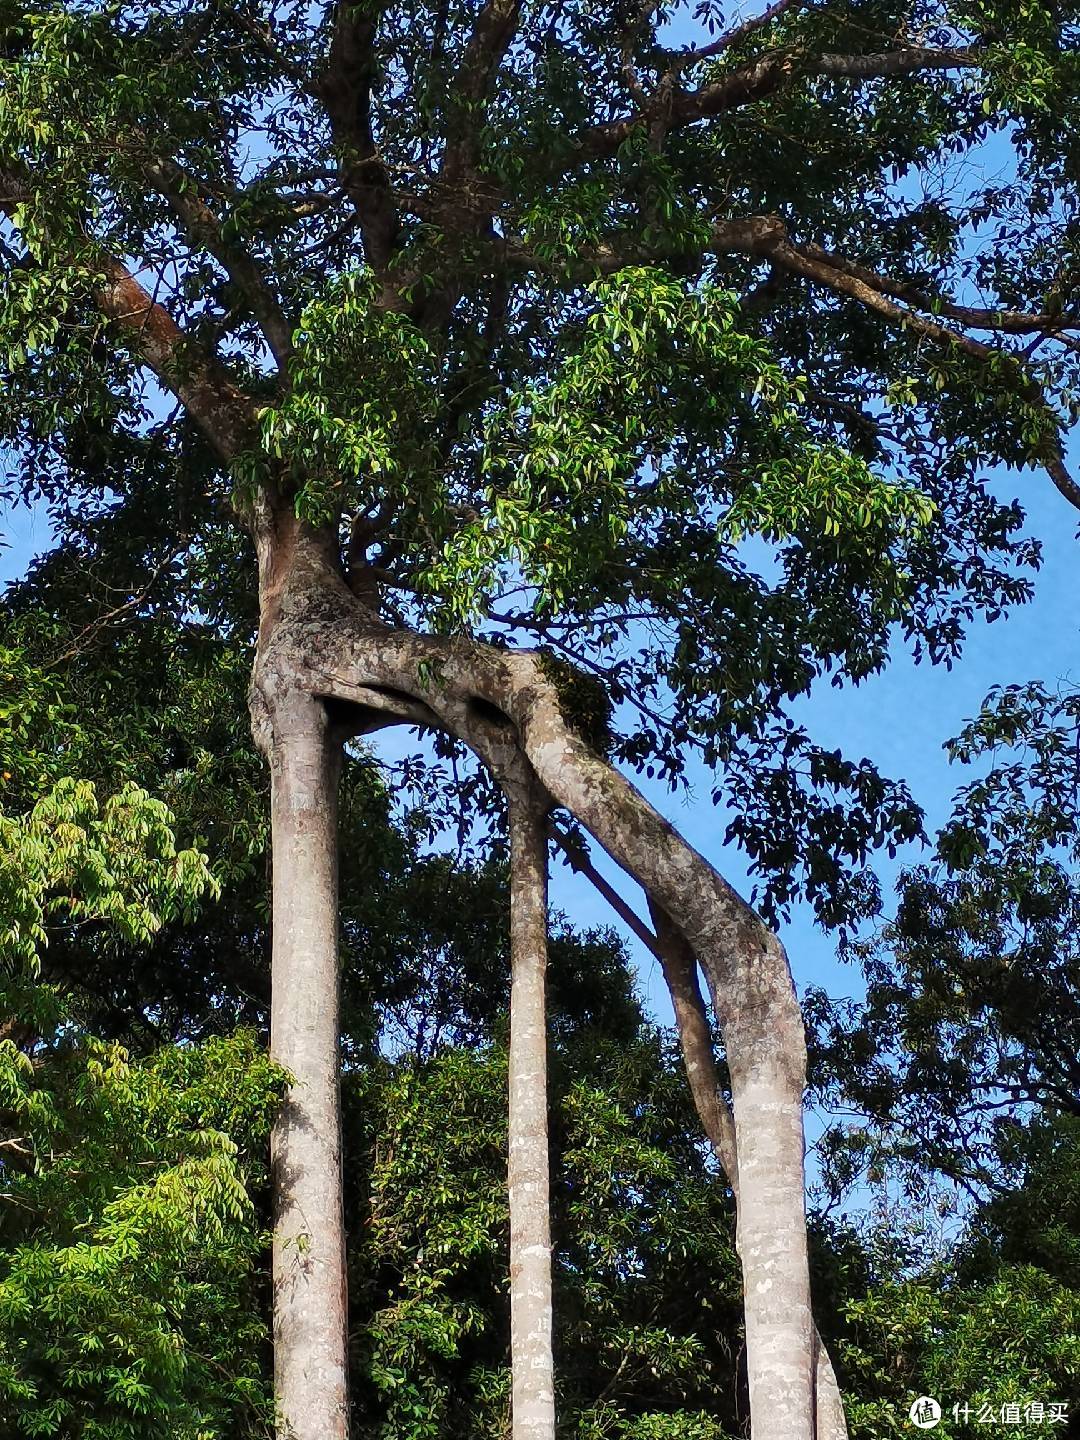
x: 584, y: 388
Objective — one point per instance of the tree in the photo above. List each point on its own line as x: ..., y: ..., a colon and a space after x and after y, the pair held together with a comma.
x: 123, y: 1184
x: 509, y: 326
x: 963, y: 1061
x: 971, y: 1026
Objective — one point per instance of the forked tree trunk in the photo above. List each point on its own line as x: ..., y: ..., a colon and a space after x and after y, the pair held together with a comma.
x: 310, y: 1366
x: 746, y: 965
x: 486, y: 696
x: 532, y: 1365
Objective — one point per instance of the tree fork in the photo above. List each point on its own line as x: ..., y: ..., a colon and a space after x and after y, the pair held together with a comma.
x: 532, y: 1363
x: 472, y: 690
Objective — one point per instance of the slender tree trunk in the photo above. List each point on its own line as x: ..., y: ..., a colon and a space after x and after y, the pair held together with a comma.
x: 695, y: 1040
x: 766, y: 1052
x: 310, y: 1366
x: 532, y: 1365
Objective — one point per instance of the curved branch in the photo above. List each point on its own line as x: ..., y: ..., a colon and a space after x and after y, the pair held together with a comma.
x: 198, y: 379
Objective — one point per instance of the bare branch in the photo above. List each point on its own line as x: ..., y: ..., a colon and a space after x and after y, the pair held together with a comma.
x: 578, y: 859
x: 1007, y: 322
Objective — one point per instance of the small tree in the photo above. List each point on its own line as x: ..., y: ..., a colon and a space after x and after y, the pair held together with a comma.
x: 503, y: 326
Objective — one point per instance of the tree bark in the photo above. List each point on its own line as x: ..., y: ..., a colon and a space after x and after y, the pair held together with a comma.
x: 532, y: 1364
x: 310, y: 1360
x: 695, y: 1041
x: 493, y: 697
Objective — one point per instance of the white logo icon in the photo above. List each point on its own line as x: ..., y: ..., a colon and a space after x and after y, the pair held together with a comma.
x: 925, y: 1413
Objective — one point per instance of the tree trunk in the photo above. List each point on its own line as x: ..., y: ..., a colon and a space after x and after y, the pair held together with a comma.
x: 532, y: 1366
x: 695, y: 1041
x: 310, y: 1361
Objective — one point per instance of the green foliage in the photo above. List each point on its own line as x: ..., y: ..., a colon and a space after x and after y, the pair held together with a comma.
x: 646, y: 1277
x: 361, y: 410
x: 128, y: 1242
x: 129, y: 1251
x: 972, y: 1018
x: 1009, y: 1340
x: 550, y: 411
x: 75, y: 861
x: 656, y: 373
x: 994, y: 1320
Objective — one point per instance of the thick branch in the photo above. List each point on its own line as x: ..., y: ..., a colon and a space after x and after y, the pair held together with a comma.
x: 204, y: 228
x: 695, y: 1040
x: 345, y: 88
x: 763, y: 77
x: 491, y: 37
x: 198, y: 379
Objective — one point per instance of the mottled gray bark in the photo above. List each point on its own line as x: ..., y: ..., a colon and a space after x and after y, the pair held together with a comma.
x: 532, y: 1366
x: 695, y: 1041
x: 460, y: 686
x: 310, y: 1365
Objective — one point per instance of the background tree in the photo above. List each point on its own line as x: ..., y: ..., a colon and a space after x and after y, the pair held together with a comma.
x: 127, y: 1242
x: 962, y: 1059
x: 969, y: 1033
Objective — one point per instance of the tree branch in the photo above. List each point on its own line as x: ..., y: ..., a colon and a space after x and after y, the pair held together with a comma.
x: 489, y: 42
x: 204, y: 228
x: 345, y: 88
x: 579, y: 862
x: 695, y: 1040
x: 733, y: 37
x: 1007, y: 322
x: 803, y: 261
x: 198, y: 379
x: 764, y: 76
